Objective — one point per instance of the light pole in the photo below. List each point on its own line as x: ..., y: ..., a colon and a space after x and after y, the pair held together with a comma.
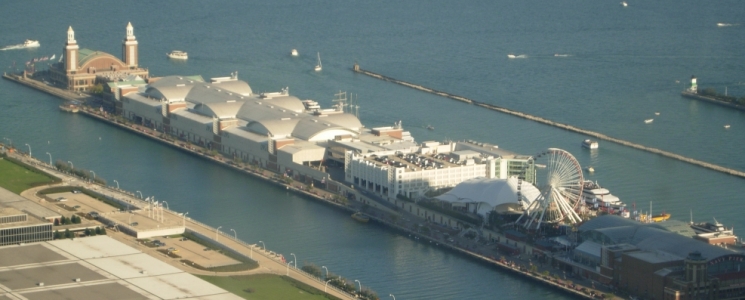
x: 184, y: 215
x: 235, y: 234
x: 71, y: 166
x: 288, y: 269
x: 217, y: 231
x: 117, y: 184
x: 140, y: 194
x: 326, y: 285
x: 327, y: 271
x: 94, y: 175
x: 295, y: 258
x: 263, y: 244
x: 252, y: 252
x: 164, y: 201
x: 394, y: 297
x: 50, y: 158
x: 358, y: 282
x: 29, y: 150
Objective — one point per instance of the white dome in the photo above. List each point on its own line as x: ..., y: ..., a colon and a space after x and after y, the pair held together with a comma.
x: 492, y: 193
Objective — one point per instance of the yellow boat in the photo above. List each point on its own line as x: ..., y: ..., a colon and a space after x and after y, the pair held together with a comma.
x: 360, y: 217
x: 661, y: 217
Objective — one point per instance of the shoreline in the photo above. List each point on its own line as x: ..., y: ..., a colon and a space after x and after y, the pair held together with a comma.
x: 567, y: 127
x: 514, y: 267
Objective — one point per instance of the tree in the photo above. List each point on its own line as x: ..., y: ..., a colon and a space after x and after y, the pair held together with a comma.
x: 99, y: 231
x: 68, y: 234
x: 312, y: 270
x: 57, y: 235
x: 97, y: 89
x: 103, y: 230
x: 56, y: 222
x: 87, y: 232
x: 64, y: 220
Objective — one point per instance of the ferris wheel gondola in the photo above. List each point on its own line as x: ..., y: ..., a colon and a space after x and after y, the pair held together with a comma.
x: 561, y: 192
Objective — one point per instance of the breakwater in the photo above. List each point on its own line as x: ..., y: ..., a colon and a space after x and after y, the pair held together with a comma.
x: 687, y: 94
x: 556, y: 124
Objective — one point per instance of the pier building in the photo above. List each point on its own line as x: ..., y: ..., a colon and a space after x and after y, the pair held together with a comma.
x: 653, y: 262
x: 23, y: 221
x: 81, y: 69
x: 485, y: 195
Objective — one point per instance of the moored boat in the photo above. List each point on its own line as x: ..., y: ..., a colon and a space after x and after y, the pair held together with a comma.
x: 177, y: 54
x: 660, y: 217
x: 598, y: 197
x: 360, y: 217
x: 68, y: 107
x: 648, y: 121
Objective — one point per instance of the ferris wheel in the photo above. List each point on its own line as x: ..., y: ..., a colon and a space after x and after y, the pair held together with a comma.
x: 561, y: 191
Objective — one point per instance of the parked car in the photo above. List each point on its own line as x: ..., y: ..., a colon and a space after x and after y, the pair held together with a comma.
x: 75, y: 192
x: 61, y: 199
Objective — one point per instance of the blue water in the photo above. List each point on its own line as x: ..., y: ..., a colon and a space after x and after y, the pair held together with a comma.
x: 623, y: 67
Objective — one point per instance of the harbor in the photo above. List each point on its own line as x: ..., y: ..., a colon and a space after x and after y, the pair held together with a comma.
x: 567, y: 127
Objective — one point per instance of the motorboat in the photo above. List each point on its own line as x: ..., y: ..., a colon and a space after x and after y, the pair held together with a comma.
x: 624, y: 4
x: 590, y: 144
x: 177, y: 54
x: 726, y: 126
x: 319, y: 67
x: 724, y: 24
x: 598, y: 197
x: 590, y: 169
x: 660, y: 217
x: 430, y: 127
x: 560, y: 55
x: 26, y: 44
x: 294, y: 52
x: 648, y: 121
x: 360, y: 217
x: 511, y: 56
x: 656, y: 113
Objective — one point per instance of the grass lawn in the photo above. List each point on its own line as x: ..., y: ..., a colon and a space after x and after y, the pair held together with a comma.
x: 264, y: 287
x: 16, y: 178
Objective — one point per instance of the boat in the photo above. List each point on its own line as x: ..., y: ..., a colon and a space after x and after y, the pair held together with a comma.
x: 660, y: 217
x: 656, y: 113
x: 600, y: 198
x: 69, y: 107
x: 26, y: 44
x: 624, y: 4
x: 319, y: 67
x: 177, y: 54
x: 430, y: 127
x: 724, y: 24
x: 590, y: 144
x: 511, y: 56
x: 590, y: 169
x: 294, y: 52
x: 709, y: 227
x: 360, y: 217
x: 648, y: 121
x: 560, y: 55
x: 726, y: 126
x: 540, y: 166
x: 53, y: 56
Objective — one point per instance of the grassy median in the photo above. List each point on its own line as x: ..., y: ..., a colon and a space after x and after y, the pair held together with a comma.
x: 18, y: 178
x: 267, y: 287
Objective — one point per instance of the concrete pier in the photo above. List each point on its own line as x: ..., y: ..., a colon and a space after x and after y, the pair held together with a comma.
x: 567, y: 127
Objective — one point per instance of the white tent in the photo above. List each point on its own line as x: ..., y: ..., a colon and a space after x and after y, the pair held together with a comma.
x: 492, y: 194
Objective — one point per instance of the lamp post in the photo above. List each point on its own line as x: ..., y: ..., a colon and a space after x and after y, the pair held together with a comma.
x: 327, y: 271
x: 295, y: 258
x: 71, y: 166
x: 288, y: 269
x: 50, y: 158
x: 235, y: 234
x: 94, y: 174
x: 252, y: 252
x: 184, y: 218
x: 326, y: 285
x: 358, y: 282
x: 164, y: 201
x: 217, y: 231
x: 29, y: 150
x: 263, y: 244
x: 117, y: 184
x: 140, y: 194
x: 391, y: 295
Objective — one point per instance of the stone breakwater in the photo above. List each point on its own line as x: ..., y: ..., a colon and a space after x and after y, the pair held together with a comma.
x: 556, y: 124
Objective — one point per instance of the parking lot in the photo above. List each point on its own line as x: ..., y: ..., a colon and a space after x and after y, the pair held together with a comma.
x: 79, y: 202
x: 199, y: 254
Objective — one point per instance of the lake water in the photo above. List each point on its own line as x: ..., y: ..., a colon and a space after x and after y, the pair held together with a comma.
x: 623, y: 65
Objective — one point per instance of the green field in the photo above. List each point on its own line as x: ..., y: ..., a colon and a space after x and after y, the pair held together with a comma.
x: 266, y: 287
x: 17, y: 178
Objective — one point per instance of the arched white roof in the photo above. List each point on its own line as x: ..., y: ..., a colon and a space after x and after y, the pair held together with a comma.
x: 491, y: 193
x: 221, y: 110
x: 290, y: 103
x: 236, y: 86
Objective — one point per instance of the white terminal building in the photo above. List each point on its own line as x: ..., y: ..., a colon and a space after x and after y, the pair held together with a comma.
x: 297, y: 137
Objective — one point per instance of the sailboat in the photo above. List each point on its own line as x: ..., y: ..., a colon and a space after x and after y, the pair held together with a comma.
x: 53, y: 56
x: 319, y: 67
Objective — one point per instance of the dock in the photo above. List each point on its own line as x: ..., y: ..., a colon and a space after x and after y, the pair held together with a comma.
x: 567, y: 127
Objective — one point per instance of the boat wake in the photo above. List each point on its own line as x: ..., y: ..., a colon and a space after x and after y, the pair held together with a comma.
x: 517, y: 56
x: 726, y: 24
x: 562, y: 55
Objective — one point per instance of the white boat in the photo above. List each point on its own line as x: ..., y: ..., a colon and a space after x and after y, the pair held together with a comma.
x: 624, y: 4
x: 177, y: 54
x: 430, y: 127
x: 648, y: 121
x: 319, y: 67
x: 26, y: 44
x: 53, y: 56
x: 590, y: 144
x: 516, y: 56
x: 656, y: 113
x: 596, y: 196
x: 724, y: 24
x: 511, y: 56
x: 560, y: 55
x: 726, y: 126
x: 294, y: 52
x: 590, y: 169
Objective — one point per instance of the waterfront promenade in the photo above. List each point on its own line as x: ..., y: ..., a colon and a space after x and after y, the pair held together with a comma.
x: 556, y: 124
x: 408, y: 219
